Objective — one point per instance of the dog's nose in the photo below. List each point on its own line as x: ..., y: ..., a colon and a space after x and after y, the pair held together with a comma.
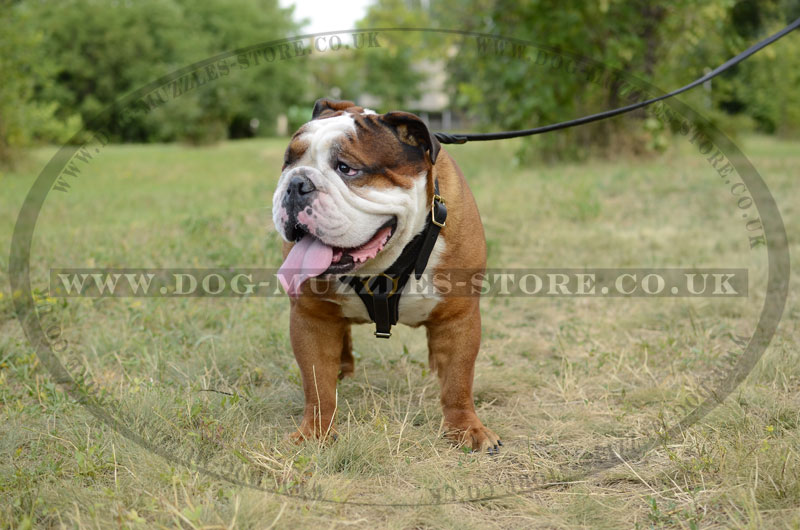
x: 300, y: 185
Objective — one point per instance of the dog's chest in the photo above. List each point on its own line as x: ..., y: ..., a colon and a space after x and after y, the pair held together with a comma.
x: 414, y: 307
x: 418, y: 300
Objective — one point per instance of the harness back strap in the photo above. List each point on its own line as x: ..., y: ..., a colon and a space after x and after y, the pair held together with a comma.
x: 381, y: 292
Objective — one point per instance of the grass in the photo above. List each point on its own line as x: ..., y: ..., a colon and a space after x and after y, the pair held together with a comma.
x: 558, y: 378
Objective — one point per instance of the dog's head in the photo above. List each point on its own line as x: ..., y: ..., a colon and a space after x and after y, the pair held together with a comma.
x: 354, y: 190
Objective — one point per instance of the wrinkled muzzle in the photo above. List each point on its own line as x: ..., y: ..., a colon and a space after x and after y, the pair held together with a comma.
x: 334, y: 230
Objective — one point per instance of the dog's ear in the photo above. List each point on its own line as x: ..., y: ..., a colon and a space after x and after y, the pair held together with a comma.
x: 327, y: 106
x: 413, y: 131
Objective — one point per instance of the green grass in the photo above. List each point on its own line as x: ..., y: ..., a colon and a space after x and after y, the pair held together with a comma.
x: 559, y: 379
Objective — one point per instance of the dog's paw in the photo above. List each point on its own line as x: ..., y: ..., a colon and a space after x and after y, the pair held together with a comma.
x: 305, y: 433
x: 475, y: 435
x: 346, y: 370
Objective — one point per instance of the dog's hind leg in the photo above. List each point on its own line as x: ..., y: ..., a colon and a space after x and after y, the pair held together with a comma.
x: 348, y: 363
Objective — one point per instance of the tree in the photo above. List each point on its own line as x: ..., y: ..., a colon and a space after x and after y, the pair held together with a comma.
x: 99, y: 50
x: 665, y: 43
x: 26, y: 69
x: 388, y: 72
x: 767, y: 86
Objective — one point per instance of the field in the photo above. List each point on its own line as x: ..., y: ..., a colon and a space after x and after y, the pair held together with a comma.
x: 565, y: 381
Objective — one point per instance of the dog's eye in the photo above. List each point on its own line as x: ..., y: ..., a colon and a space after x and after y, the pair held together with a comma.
x: 346, y: 170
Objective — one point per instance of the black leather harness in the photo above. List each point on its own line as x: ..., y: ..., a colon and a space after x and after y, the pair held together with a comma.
x: 381, y: 292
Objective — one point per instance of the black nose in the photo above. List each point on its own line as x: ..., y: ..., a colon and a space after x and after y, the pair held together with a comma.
x: 300, y: 185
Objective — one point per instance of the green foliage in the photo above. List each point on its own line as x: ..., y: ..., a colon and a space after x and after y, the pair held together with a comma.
x: 664, y: 43
x: 384, y: 72
x: 26, y: 70
x: 75, y: 58
x: 392, y: 73
x: 65, y: 62
x: 765, y: 87
x: 569, y: 72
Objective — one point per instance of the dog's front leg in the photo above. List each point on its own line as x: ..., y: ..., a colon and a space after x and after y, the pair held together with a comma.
x: 317, y: 344
x: 453, y: 345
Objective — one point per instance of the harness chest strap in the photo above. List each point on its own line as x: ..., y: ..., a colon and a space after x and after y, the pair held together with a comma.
x: 381, y: 293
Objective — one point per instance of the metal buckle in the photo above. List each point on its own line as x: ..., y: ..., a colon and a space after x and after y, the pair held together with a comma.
x: 433, y: 210
x: 368, y: 279
x: 382, y: 335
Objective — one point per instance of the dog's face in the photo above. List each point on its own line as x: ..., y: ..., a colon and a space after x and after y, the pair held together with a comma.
x: 353, y: 191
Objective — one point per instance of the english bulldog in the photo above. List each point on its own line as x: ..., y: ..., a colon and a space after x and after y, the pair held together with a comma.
x: 355, y: 190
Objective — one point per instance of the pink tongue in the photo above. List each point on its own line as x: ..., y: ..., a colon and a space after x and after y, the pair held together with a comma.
x: 308, y: 258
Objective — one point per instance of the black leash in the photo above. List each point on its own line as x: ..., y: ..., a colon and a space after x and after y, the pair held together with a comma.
x: 457, y: 138
x: 381, y: 292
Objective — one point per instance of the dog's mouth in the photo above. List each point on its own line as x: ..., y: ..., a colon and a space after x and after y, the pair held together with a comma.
x: 310, y: 257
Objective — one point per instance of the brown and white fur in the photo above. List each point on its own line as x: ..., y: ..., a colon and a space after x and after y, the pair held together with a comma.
x: 392, y: 160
